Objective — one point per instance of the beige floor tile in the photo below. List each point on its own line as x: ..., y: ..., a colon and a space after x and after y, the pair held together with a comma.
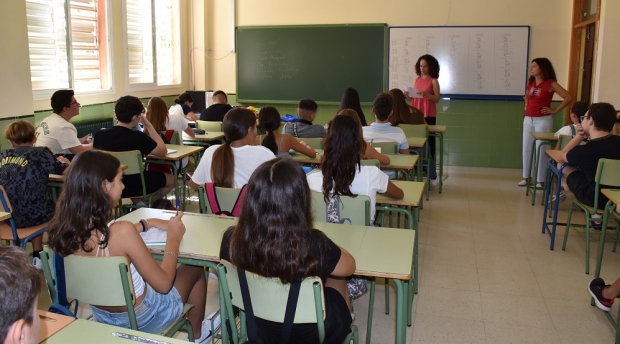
x: 449, y: 303
x: 563, y: 284
x: 497, y: 260
x: 450, y: 238
x: 497, y: 242
x: 515, y: 310
x: 507, y: 333
x: 439, y: 330
x: 464, y: 257
x: 447, y: 276
x: 508, y: 282
x: 578, y: 322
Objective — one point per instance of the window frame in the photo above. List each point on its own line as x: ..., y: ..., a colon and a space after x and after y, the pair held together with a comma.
x: 136, y: 87
x: 47, y: 93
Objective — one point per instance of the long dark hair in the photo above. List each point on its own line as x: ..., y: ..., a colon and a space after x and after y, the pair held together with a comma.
x: 269, y: 119
x: 341, y: 156
x: 183, y: 97
x: 403, y: 112
x: 433, y: 66
x: 273, y: 238
x: 157, y: 113
x: 546, y: 69
x: 83, y: 205
x: 351, y: 100
x: 351, y: 113
x: 235, y: 124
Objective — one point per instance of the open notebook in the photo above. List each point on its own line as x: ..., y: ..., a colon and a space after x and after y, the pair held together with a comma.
x: 154, y: 237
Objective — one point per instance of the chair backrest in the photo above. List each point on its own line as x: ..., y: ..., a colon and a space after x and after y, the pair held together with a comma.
x: 227, y: 197
x: 133, y: 160
x: 209, y: 126
x: 386, y: 147
x: 608, y: 172
x: 356, y: 209
x: 103, y: 281
x: 269, y: 296
x: 5, y: 203
x: 415, y: 130
x: 314, y: 142
x: 563, y: 140
x: 175, y: 140
x: 370, y: 162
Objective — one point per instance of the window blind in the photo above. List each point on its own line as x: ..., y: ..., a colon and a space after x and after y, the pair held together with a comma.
x: 139, y: 35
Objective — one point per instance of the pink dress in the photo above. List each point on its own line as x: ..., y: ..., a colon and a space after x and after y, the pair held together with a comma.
x: 425, y: 105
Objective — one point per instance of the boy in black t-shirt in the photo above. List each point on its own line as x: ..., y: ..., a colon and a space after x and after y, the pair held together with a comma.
x: 218, y: 109
x: 120, y: 138
x: 24, y: 174
x: 596, y: 126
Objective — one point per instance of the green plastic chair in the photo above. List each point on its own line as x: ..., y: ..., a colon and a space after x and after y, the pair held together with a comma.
x: 225, y: 196
x: 209, y: 126
x: 9, y: 232
x: 314, y: 142
x: 107, y: 281
x: 133, y: 160
x: 175, y: 140
x: 386, y: 147
x: 350, y: 208
x: 420, y: 130
x: 370, y: 162
x: 269, y: 297
x: 608, y: 174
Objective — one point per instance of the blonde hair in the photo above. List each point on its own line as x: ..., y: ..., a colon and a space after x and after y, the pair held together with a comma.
x: 19, y: 132
x: 157, y: 113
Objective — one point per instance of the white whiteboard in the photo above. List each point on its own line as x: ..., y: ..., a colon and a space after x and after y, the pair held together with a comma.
x: 475, y: 62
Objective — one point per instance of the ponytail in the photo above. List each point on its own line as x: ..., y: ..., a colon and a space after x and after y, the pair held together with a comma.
x: 269, y: 120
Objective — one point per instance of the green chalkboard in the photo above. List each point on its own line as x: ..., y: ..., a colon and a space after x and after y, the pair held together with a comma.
x: 288, y: 63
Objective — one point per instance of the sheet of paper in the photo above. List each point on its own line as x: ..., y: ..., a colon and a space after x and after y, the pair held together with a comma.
x: 413, y: 92
x: 170, y: 151
x: 154, y: 237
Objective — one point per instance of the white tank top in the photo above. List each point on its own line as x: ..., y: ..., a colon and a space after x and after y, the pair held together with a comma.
x: 138, y: 281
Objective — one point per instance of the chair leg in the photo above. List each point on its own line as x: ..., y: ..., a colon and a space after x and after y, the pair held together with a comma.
x: 587, y: 242
x: 387, y: 296
x: 371, y: 305
x: 616, y: 239
x: 570, y: 214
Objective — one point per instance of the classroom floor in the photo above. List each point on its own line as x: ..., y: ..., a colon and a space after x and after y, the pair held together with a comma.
x: 486, y: 272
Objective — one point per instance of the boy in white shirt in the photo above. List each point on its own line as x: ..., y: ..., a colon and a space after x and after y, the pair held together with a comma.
x: 577, y: 110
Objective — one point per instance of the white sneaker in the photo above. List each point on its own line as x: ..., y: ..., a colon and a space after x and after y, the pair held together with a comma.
x: 562, y: 197
x: 207, y: 332
x: 434, y: 182
x: 36, y: 261
x: 213, y: 275
x: 539, y: 186
x: 522, y: 183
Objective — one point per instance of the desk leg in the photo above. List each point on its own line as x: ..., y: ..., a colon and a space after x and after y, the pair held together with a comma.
x: 401, y: 291
x: 529, y: 177
x: 440, y: 136
x: 428, y: 171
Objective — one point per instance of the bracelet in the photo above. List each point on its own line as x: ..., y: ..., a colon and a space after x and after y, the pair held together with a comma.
x: 171, y: 253
x: 143, y: 225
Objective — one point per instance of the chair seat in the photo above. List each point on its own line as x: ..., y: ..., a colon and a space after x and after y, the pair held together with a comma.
x: 7, y: 234
x: 182, y: 317
x: 589, y: 208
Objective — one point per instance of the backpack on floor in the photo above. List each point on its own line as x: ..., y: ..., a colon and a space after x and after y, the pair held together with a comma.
x: 214, y: 204
x: 163, y: 168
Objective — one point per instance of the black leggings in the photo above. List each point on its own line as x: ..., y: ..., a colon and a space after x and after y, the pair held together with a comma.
x: 431, y: 139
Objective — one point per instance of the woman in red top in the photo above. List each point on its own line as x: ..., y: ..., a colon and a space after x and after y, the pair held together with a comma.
x: 538, y: 112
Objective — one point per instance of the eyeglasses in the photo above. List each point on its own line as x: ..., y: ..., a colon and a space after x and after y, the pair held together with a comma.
x: 583, y: 117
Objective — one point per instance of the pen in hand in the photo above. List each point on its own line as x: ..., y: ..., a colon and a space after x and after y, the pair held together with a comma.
x: 178, y: 205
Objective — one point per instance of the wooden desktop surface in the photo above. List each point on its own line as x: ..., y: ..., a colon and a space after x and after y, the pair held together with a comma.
x: 612, y: 194
x: 543, y: 136
x: 181, y: 152
x: 397, y: 161
x: 52, y: 323
x: 416, y: 142
x: 210, y: 136
x: 413, y: 194
x: 437, y: 129
x: 378, y: 252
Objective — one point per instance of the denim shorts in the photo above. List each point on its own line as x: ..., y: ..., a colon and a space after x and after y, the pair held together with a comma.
x: 156, y: 312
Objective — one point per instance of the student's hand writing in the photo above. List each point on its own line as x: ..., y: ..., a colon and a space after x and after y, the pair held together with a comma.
x: 86, y: 139
x: 176, y: 228
x: 63, y: 160
x: 548, y: 111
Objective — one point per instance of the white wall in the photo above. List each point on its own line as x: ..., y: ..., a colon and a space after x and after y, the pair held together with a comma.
x: 549, y: 21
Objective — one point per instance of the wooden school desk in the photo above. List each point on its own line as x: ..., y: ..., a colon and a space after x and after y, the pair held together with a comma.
x: 420, y: 142
x: 87, y: 331
x: 614, y: 200
x: 51, y: 323
x: 4, y: 216
x: 173, y: 159
x: 206, y: 139
x: 438, y: 131
x: 403, y: 162
x: 555, y: 156
x: 378, y: 252
x: 547, y: 139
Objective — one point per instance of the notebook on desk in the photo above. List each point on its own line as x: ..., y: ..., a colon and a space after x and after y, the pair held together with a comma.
x: 170, y: 151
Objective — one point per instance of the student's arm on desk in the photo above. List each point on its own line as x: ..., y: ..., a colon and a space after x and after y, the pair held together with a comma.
x: 346, y: 265
x: 404, y: 151
x: 189, y: 131
x: 576, y: 141
x: 393, y: 191
x: 160, y: 149
x: 299, y: 146
x: 81, y: 148
x: 152, y: 222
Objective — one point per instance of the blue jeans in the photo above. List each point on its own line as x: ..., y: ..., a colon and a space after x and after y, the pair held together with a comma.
x: 156, y: 312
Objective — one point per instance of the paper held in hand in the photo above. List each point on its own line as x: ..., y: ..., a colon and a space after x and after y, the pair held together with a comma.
x: 413, y: 92
x: 154, y: 237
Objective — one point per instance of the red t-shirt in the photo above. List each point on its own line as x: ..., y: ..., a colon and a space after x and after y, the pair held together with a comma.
x: 538, y: 97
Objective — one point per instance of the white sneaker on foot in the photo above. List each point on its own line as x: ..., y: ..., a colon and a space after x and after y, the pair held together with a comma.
x: 539, y: 186
x: 36, y: 261
x: 434, y: 182
x: 207, y: 331
x: 562, y: 197
x: 522, y: 183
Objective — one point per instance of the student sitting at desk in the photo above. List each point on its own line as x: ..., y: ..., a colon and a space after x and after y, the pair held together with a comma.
x: 576, y: 111
x: 366, y: 151
x: 80, y: 226
x: 306, y: 109
x: 341, y: 172
x: 596, y: 126
x: 20, y: 285
x: 351, y: 100
x: 183, y: 106
x: 157, y: 114
x: 280, y: 144
x: 120, y: 138
x: 218, y: 109
x: 382, y: 130
x: 274, y: 239
x: 24, y: 173
x: 403, y: 112
x: 56, y: 132
x: 231, y: 164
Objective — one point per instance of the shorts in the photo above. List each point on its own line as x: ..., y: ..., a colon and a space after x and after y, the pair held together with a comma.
x: 153, y: 181
x: 584, y: 190
x: 156, y: 312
